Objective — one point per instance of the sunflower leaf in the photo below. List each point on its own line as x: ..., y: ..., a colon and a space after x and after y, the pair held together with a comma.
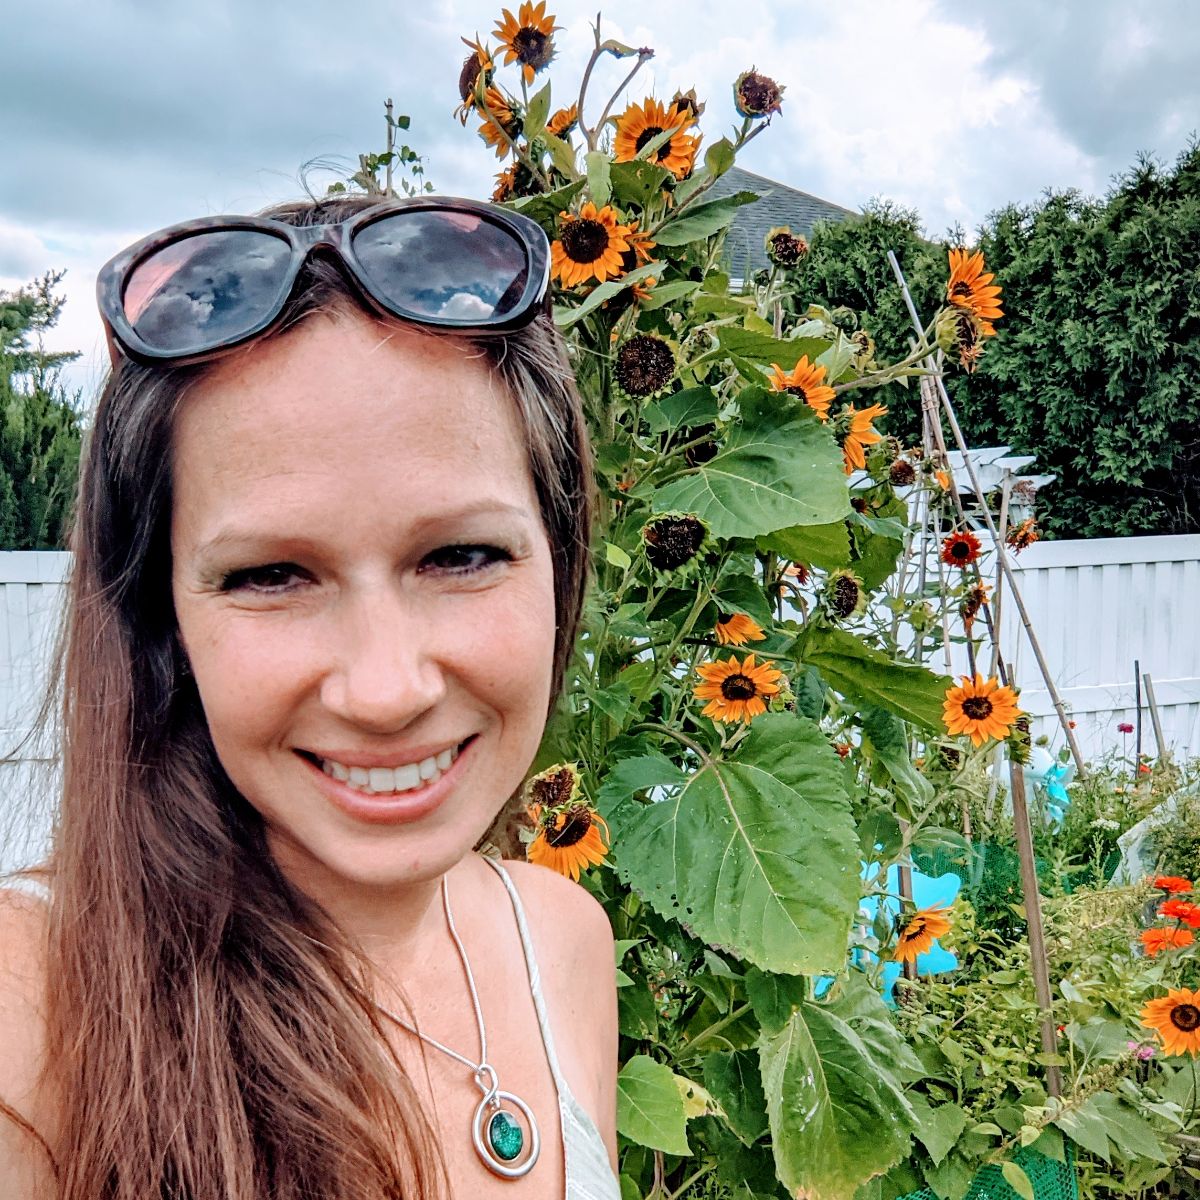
x: 668, y: 293
x: 599, y: 181
x: 562, y: 154
x: 838, y: 1115
x: 536, y: 114
x: 686, y: 408
x: 824, y: 546
x: 650, y: 1109
x: 724, y: 853
x: 763, y: 348
x: 565, y: 318
x: 703, y: 220
x: 545, y: 207
x: 778, y: 468
x: 637, y: 182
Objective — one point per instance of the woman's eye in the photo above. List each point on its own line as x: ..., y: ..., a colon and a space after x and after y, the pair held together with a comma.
x: 464, y: 560
x: 272, y: 577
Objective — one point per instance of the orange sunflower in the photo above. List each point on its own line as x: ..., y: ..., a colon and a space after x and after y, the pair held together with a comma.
x: 527, y: 38
x: 980, y: 710
x: 736, y: 629
x: 1176, y: 1017
x: 1172, y: 884
x: 1157, y: 940
x: 735, y: 691
x: 1020, y: 536
x: 860, y: 435
x: 805, y: 380
x: 589, y: 246
x: 568, y: 828
x: 971, y: 288
x: 961, y: 548
x: 919, y: 933
x: 498, y: 120
x: 641, y: 123
x: 563, y: 121
x: 1181, y: 910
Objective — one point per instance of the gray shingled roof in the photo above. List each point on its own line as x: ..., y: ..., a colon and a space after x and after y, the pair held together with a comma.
x: 778, y: 204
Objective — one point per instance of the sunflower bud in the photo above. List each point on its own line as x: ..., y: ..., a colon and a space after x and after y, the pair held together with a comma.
x: 1019, y: 743
x: 864, y: 348
x: 686, y: 102
x: 843, y: 595
x: 945, y: 330
x: 645, y: 365
x: 844, y: 318
x: 676, y: 543
x: 756, y: 95
x: 785, y: 248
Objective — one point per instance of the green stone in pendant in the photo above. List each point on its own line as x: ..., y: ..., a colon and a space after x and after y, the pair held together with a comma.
x: 505, y: 1136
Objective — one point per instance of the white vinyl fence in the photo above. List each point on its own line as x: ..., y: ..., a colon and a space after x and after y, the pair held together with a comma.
x: 1096, y: 606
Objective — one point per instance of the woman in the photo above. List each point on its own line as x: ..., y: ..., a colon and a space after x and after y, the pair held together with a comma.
x: 329, y: 559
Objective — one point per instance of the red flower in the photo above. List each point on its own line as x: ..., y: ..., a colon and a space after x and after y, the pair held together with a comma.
x: 960, y: 549
x: 1181, y: 910
x: 1171, y: 884
x: 1124, y: 727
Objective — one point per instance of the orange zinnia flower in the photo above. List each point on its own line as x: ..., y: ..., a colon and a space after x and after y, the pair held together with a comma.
x: 1176, y: 1017
x: 1156, y: 940
x: 980, y: 710
x: 919, y: 932
x: 736, y: 629
x: 971, y: 288
x: 860, y: 435
x: 589, y: 246
x: 1172, y: 883
x: 735, y: 691
x: 527, y: 38
x: 804, y: 380
x: 1181, y: 910
x: 641, y: 123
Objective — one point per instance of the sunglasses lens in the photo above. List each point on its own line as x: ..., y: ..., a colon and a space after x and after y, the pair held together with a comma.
x: 205, y: 289
x: 455, y: 267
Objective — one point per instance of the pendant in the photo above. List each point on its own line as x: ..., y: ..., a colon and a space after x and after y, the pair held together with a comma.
x: 497, y: 1134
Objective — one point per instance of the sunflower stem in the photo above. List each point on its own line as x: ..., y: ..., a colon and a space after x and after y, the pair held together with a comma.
x: 697, y: 1174
x: 735, y: 1015
x: 644, y: 55
x: 534, y: 169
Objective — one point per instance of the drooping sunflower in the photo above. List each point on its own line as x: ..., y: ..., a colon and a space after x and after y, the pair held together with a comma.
x: 920, y: 931
x: 645, y: 364
x: 805, y: 380
x: 506, y: 182
x: 1176, y: 1017
x: 1181, y: 910
x: 736, y: 629
x: 568, y: 828
x: 499, y: 126
x: 736, y: 691
x: 973, y: 601
x: 860, y: 434
x: 1022, y: 535
x: 785, y: 248
x: 563, y: 121
x: 980, y: 709
x: 589, y: 246
x: 676, y: 543
x: 527, y: 38
x: 961, y: 548
x: 478, y: 62
x: 970, y: 287
x: 902, y: 473
x: 641, y: 123
x: 844, y: 594
x: 1172, y: 884
x: 1155, y: 941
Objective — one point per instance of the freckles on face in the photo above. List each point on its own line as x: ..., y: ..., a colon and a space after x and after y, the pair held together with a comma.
x: 360, y: 572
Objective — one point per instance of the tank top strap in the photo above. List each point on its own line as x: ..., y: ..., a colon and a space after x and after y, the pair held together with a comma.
x: 535, y: 979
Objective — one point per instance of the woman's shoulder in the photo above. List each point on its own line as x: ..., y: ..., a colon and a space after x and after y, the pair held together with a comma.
x: 564, y: 915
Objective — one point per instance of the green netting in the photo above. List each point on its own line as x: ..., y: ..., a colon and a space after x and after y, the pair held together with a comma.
x: 1051, y: 1179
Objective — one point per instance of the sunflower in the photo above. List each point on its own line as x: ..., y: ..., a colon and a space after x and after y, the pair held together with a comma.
x: 971, y: 288
x: 676, y: 542
x: 860, y: 434
x: 1176, y: 1016
x: 589, y: 246
x: 844, y: 595
x: 500, y: 126
x: 980, y: 710
x: 736, y: 629
x: 506, y: 183
x: 563, y: 121
x: 1181, y: 910
x: 1022, y: 535
x: 478, y: 62
x: 805, y: 380
x: 568, y: 828
x: 1172, y: 884
x: 902, y: 473
x: 961, y: 548
x: 645, y: 365
x: 527, y: 38
x: 735, y: 691
x: 1155, y: 941
x: 756, y: 95
x: 919, y: 933
x: 641, y: 123
x: 785, y: 248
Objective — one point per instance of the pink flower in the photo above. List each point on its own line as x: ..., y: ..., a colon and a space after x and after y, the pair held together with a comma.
x: 1124, y: 727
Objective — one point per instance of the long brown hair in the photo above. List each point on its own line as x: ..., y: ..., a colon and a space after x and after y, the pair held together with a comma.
x: 205, y: 1020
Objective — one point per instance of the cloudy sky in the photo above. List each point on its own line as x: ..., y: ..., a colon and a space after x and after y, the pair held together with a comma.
x: 120, y: 116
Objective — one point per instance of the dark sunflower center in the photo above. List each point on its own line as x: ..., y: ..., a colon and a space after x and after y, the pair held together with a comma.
x: 532, y: 47
x: 960, y: 550
x: 978, y: 708
x: 738, y: 687
x: 647, y: 135
x: 915, y: 928
x: 585, y: 240
x: 670, y: 544
x: 644, y: 364
x: 960, y: 290
x: 554, y: 789
x: 797, y: 390
x: 575, y: 825
x: 758, y: 93
x: 468, y: 76
x: 902, y: 472
x: 786, y: 248
x: 845, y: 596
x: 1185, y: 1017
x: 724, y: 618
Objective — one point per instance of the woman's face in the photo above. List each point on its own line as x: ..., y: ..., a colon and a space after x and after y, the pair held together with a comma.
x: 364, y: 590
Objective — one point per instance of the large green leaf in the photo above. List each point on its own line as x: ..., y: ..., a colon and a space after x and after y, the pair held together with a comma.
x: 877, y: 552
x: 565, y: 317
x: 757, y: 855
x: 763, y: 348
x: 824, y: 546
x: 837, y: 1112
x: 733, y: 1081
x: 778, y: 468
x: 691, y: 406
x: 650, y: 1106
x: 703, y: 220
x: 545, y: 207
x: 637, y: 182
x: 886, y: 737
x: 867, y: 676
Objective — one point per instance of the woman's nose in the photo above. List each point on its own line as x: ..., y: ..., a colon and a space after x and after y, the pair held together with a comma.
x: 385, y: 671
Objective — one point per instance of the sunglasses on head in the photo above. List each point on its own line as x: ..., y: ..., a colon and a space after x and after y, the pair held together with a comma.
x: 204, y: 287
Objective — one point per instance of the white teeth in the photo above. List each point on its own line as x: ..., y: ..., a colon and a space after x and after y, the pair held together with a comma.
x: 390, y: 780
